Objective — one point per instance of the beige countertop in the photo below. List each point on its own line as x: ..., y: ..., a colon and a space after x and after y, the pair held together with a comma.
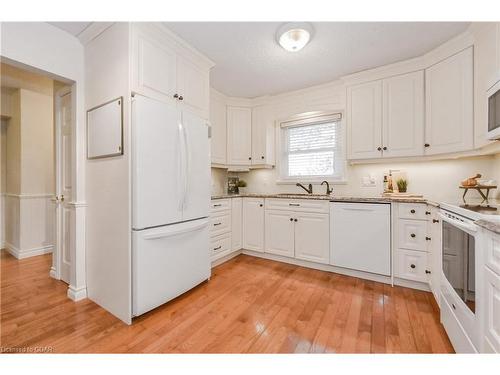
x: 493, y: 226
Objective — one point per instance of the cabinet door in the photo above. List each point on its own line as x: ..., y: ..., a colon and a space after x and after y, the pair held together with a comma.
x: 262, y: 136
x: 236, y: 228
x: 434, y: 228
x: 193, y: 87
x: 279, y: 233
x: 403, y: 115
x: 492, y: 308
x: 239, y: 135
x: 312, y: 237
x: 364, y: 117
x: 412, y: 234
x: 449, y: 101
x: 411, y: 265
x: 485, y: 51
x: 154, y: 68
x: 253, y: 224
x: 218, y: 149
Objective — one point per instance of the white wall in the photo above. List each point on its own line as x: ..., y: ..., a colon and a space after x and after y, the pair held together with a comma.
x: 46, y: 49
x: 108, y: 180
x: 436, y: 180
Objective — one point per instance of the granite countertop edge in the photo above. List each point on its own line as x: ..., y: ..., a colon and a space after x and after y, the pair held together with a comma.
x: 330, y: 198
x: 492, y: 226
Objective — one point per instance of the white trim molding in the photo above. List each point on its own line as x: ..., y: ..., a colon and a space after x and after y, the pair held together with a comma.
x: 27, y: 253
x: 77, y: 294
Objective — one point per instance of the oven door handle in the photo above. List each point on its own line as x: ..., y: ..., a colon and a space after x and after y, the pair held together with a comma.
x: 464, y: 226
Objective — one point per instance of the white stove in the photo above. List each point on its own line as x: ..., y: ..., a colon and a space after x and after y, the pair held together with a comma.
x: 474, y: 210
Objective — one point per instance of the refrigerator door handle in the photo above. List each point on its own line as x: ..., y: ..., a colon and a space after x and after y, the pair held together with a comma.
x: 171, y: 233
x: 182, y: 171
x: 187, y: 167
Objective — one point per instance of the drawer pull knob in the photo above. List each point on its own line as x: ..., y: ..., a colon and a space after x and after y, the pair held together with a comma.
x: 427, y: 238
x: 427, y: 271
x: 295, y: 220
x: 412, y: 235
x: 427, y: 212
x: 217, y: 224
x: 412, y: 266
x: 291, y: 219
x: 435, y: 220
x: 294, y: 204
x: 260, y: 205
x: 412, y: 211
x: 218, y: 247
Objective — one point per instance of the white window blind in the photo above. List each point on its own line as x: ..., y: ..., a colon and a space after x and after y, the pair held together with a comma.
x: 313, y: 148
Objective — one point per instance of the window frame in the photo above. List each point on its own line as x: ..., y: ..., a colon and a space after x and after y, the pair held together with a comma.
x: 304, y: 119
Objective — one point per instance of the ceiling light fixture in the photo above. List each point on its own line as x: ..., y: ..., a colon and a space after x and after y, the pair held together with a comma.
x: 294, y: 36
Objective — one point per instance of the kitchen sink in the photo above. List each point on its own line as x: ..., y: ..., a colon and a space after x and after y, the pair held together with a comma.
x: 301, y: 195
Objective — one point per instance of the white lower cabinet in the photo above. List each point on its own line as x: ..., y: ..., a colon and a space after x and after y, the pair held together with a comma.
x: 312, y: 237
x: 253, y: 224
x: 279, y: 230
x: 492, y: 311
x: 236, y: 228
x: 412, y: 234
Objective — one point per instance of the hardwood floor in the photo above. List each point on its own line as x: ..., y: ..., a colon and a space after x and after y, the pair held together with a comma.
x: 250, y: 305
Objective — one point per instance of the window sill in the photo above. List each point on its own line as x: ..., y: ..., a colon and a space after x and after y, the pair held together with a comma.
x: 310, y: 181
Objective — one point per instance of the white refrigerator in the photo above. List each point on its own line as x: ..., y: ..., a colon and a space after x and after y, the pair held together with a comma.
x: 171, y: 196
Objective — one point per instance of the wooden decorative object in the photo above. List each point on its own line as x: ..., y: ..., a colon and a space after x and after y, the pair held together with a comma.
x: 480, y: 189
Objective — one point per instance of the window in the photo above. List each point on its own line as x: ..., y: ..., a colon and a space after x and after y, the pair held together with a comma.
x: 312, y: 149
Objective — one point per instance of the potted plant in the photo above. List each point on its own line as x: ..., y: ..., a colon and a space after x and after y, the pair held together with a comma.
x: 242, y: 187
x: 402, y: 185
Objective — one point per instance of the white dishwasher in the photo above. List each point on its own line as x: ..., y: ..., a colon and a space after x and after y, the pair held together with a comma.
x: 360, y: 236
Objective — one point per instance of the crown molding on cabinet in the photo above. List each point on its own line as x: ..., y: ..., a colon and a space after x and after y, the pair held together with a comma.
x: 93, y: 31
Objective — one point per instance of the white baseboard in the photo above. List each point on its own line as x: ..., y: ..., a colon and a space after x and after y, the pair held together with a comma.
x: 27, y: 253
x: 225, y: 258
x: 77, y: 294
x: 412, y: 284
x: 321, y: 267
x: 53, y: 273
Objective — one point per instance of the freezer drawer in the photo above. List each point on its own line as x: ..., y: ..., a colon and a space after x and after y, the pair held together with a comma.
x: 168, y: 261
x: 360, y: 237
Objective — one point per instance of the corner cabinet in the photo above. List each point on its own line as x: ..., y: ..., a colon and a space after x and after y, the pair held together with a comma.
x: 218, y: 139
x: 164, y: 69
x: 385, y: 118
x: 239, y: 136
x: 449, y: 105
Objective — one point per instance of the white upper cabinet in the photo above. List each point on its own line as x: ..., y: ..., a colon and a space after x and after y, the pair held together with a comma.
x: 262, y: 136
x: 193, y: 86
x: 364, y: 120
x: 403, y: 115
x: 164, y: 68
x: 156, y: 70
x: 219, y: 129
x: 485, y: 68
x: 239, y: 136
x: 449, y: 104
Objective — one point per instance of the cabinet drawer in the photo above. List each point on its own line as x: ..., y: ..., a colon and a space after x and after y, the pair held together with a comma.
x: 220, y: 245
x: 411, y: 265
x: 218, y: 205
x: 493, y: 252
x: 300, y: 205
x: 220, y: 223
x: 418, y: 211
x: 412, y: 234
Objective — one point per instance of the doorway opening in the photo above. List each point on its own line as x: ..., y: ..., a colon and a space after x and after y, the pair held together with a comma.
x: 35, y: 159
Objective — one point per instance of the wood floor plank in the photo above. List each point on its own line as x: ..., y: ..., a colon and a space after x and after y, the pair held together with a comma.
x: 250, y: 305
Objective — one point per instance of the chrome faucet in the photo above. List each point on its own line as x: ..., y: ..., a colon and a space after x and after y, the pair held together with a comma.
x: 328, y: 190
x: 310, y: 190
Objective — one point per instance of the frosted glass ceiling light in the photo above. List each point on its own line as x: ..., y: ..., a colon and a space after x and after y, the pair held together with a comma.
x: 294, y: 36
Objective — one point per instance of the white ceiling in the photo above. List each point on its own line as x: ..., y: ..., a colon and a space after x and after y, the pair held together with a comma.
x: 74, y: 28
x: 250, y: 63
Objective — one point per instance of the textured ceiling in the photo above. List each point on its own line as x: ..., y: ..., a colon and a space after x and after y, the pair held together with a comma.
x: 250, y: 63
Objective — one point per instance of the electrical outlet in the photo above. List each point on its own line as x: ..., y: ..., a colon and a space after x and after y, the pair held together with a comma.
x: 369, y: 181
